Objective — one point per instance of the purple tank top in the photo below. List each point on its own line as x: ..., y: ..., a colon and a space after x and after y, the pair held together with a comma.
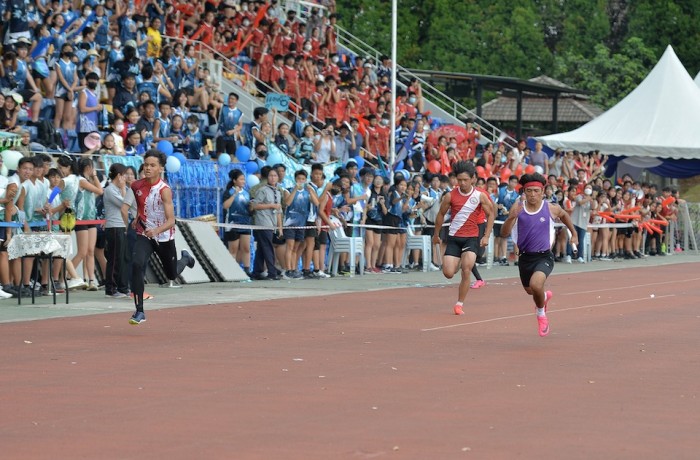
x: 534, y: 232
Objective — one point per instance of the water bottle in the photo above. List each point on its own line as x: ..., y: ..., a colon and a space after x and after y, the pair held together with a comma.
x: 105, y: 117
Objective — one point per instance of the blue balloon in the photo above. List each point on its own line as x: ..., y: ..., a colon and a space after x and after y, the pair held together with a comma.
x: 406, y: 174
x: 274, y: 158
x: 251, y: 167
x: 251, y: 181
x: 398, y: 166
x: 166, y: 147
x: 224, y: 159
x: 181, y: 157
x: 360, y: 162
x: 242, y: 154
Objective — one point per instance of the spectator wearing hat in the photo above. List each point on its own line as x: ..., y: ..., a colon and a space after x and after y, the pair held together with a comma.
x: 91, y: 65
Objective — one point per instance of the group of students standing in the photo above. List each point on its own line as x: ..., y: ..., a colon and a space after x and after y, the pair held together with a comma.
x: 293, y: 223
x: 135, y: 218
x: 27, y: 199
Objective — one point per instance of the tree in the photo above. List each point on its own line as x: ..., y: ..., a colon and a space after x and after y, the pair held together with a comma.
x: 606, y: 75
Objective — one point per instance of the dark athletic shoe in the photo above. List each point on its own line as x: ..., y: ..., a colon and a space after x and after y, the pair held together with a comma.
x: 190, y: 260
x: 137, y: 318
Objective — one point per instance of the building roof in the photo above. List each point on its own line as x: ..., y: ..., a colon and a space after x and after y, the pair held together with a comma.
x: 572, y: 106
x: 569, y: 110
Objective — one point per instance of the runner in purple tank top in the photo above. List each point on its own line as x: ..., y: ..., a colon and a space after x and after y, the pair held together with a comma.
x: 531, y: 221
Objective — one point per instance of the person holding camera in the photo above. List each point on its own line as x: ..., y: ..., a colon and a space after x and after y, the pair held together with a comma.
x: 324, y: 145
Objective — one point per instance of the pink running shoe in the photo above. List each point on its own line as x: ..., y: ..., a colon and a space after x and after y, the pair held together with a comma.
x: 542, y: 321
x: 458, y: 310
x: 478, y: 284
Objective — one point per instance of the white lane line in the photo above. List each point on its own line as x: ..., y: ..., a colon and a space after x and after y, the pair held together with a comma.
x: 631, y: 287
x: 501, y: 318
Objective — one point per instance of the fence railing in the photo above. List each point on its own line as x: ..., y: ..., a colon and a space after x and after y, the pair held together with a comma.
x: 455, y: 110
x: 434, y: 98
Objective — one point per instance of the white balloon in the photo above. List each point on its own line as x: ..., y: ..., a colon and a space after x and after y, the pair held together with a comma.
x: 172, y: 164
x: 539, y: 169
x: 252, y: 180
x: 4, y: 171
x: 11, y: 158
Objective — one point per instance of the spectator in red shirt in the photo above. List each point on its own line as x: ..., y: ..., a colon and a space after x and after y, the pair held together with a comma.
x: 333, y: 97
x: 277, y: 81
x: 473, y: 136
x: 319, y: 98
x: 205, y: 32
x: 331, y: 34
x: 372, y: 136
x: 315, y: 41
x: 291, y: 76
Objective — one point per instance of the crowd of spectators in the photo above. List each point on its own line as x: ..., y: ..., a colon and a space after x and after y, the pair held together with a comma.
x: 115, y: 77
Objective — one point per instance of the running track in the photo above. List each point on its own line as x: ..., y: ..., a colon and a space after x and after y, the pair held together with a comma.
x: 382, y: 374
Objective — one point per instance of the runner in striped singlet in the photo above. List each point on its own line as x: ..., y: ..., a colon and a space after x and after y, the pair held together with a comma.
x: 465, y: 203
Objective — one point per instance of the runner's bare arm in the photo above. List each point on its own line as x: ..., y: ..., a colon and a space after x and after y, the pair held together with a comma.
x: 440, y: 218
x: 507, y: 226
x: 490, y: 211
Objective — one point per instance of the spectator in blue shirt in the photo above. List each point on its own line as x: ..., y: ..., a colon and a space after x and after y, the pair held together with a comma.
x: 196, y: 145
x: 230, y: 124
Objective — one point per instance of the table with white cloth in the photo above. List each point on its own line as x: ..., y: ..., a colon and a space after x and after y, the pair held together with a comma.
x: 41, y: 245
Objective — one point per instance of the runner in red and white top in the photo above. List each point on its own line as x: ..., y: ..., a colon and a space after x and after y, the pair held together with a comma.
x: 151, y: 209
x: 466, y: 204
x: 155, y: 229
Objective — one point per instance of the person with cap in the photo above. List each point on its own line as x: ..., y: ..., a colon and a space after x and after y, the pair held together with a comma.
x: 531, y: 222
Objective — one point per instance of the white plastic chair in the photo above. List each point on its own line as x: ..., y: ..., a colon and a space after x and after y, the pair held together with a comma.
x: 341, y: 243
x: 421, y: 242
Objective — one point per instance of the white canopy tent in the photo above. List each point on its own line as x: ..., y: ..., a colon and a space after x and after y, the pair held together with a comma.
x: 658, y: 119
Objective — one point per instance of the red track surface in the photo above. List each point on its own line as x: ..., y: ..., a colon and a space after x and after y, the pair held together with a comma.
x: 384, y: 374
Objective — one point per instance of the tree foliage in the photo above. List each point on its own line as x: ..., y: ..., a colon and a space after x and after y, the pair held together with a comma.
x: 604, y: 46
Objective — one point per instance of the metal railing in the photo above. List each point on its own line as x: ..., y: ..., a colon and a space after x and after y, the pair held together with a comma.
x: 432, y: 95
x: 437, y: 101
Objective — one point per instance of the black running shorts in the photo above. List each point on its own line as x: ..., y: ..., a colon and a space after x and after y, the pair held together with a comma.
x: 456, y: 246
x: 531, y: 262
